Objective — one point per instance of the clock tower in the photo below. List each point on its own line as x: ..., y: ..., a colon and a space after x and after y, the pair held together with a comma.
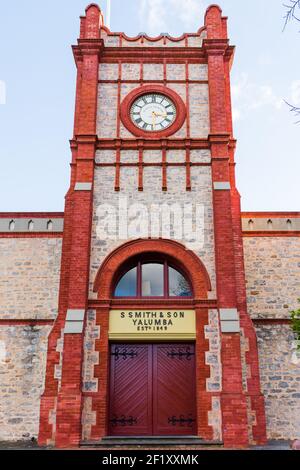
x: 153, y: 337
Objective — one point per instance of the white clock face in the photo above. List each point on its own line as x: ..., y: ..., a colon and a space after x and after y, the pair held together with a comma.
x: 153, y: 112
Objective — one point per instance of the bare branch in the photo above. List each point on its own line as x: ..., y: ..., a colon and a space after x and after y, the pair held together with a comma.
x: 291, y: 13
x: 295, y: 110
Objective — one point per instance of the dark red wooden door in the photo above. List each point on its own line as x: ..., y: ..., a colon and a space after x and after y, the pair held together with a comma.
x: 130, y: 390
x: 152, y: 389
x: 174, y: 400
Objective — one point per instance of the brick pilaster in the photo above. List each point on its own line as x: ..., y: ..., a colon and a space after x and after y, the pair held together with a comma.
x: 61, y: 405
x: 233, y: 399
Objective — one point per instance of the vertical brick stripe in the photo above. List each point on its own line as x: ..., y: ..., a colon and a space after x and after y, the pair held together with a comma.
x: 233, y: 400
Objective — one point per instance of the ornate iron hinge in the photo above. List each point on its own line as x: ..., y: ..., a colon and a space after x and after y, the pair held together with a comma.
x: 182, y: 421
x: 187, y: 354
x: 124, y: 354
x: 123, y: 421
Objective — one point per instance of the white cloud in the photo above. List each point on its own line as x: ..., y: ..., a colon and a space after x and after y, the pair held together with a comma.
x: 236, y: 114
x: 2, y: 92
x: 265, y: 59
x: 156, y: 15
x: 248, y: 96
x: 295, y: 93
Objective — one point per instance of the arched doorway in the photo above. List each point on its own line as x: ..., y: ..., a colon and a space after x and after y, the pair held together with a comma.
x: 155, y: 345
x: 152, y: 384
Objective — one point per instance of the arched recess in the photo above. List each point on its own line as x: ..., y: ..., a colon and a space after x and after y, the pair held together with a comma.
x: 188, y: 262
x: 178, y: 253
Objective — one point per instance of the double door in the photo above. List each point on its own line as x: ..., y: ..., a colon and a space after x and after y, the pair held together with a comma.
x: 152, y: 390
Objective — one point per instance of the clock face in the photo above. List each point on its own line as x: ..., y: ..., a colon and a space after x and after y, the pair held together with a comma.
x: 153, y: 112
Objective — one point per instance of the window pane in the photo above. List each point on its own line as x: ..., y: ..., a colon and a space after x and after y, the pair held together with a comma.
x: 178, y: 285
x: 152, y: 280
x: 127, y: 285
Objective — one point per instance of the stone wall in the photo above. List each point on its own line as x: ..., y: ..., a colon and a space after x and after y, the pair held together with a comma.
x: 29, y: 277
x: 29, y: 284
x: 23, y: 353
x: 273, y: 275
x: 273, y: 286
x: 195, y: 96
x: 104, y: 194
x: 280, y: 381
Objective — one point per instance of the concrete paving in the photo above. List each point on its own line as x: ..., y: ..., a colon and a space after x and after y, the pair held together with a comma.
x: 32, y: 445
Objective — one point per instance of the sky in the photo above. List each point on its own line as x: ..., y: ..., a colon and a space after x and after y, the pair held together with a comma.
x: 37, y: 89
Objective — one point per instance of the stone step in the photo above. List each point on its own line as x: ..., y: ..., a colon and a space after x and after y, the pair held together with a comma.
x: 150, y: 441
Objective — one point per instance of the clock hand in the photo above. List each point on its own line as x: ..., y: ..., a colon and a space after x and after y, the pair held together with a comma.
x: 160, y: 114
x: 153, y: 119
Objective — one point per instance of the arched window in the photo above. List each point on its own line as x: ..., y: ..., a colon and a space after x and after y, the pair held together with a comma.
x: 149, y: 278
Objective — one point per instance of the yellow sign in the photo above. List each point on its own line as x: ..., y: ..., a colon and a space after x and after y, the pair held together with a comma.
x: 152, y: 324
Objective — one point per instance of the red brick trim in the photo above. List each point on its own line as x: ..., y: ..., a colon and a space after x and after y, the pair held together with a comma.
x: 128, y: 304
x: 271, y: 321
x: 164, y: 169
x: 183, y: 164
x: 31, y: 235
x: 154, y: 144
x: 270, y: 215
x: 31, y: 215
x: 204, y: 398
x: 118, y: 170
x: 272, y: 233
x: 227, y: 226
x: 61, y: 402
x: 141, y: 170
x: 104, y: 284
x: 153, y: 54
x: 183, y: 82
x: 119, y: 99
x: 131, y: 97
x: 185, y: 259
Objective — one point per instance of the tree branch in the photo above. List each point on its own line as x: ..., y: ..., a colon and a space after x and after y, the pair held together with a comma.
x: 295, y: 110
x: 291, y: 12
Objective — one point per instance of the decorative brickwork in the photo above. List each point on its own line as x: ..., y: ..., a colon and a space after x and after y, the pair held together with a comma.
x: 47, y: 282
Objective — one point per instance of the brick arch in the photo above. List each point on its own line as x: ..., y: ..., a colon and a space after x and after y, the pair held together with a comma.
x: 178, y: 253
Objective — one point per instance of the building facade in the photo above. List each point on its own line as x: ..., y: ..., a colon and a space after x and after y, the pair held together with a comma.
x: 152, y: 306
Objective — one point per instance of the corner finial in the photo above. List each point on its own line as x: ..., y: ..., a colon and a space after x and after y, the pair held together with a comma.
x: 91, y: 23
x: 214, y: 22
x: 91, y: 5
